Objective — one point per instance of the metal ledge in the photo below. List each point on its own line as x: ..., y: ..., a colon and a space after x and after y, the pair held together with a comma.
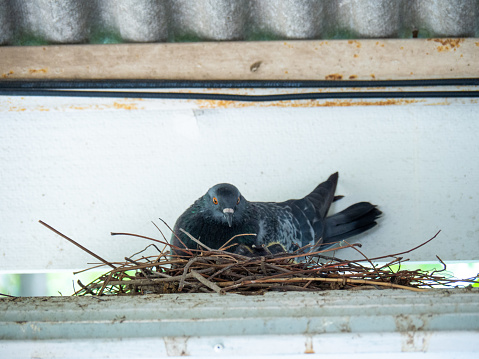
x: 292, y: 323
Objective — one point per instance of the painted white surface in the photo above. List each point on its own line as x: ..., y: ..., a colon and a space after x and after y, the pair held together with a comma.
x: 91, y: 166
x: 330, y: 324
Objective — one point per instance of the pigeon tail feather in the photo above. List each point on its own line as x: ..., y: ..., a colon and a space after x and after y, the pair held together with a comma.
x: 353, y: 220
x: 323, y: 195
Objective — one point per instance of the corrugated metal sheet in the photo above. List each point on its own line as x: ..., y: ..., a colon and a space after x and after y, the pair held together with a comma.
x: 35, y: 22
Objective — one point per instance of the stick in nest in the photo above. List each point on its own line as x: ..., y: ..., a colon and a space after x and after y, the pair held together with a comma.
x: 233, y: 273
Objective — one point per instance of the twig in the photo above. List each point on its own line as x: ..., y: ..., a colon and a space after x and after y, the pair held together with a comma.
x: 8, y: 295
x: 206, y: 282
x: 236, y: 236
x: 185, y: 249
x: 78, y: 245
x: 185, y: 272
x: 196, y: 240
x: 105, y: 283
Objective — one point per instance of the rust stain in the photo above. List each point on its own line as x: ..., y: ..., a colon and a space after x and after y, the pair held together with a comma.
x: 125, y: 106
x: 353, y: 77
x: 38, y: 71
x: 389, y: 102
x: 355, y: 42
x: 5, y: 75
x: 116, y: 105
x: 95, y: 107
x: 372, y: 76
x: 355, y: 55
x: 16, y: 109
x: 209, y: 104
x: 450, y: 42
x: 334, y: 77
x: 447, y: 44
x: 309, y: 346
x: 22, y: 109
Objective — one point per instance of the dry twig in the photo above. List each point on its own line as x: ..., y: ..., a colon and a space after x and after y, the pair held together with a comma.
x: 206, y: 270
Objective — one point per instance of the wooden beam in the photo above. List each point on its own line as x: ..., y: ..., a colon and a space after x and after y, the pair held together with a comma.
x: 276, y: 60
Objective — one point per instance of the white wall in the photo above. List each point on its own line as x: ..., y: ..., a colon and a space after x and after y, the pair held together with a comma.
x: 91, y: 166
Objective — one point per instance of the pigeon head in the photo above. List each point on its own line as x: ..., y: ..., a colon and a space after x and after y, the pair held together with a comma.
x: 225, y: 203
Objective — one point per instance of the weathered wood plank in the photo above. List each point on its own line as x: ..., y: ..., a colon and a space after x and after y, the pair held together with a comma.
x: 278, y: 60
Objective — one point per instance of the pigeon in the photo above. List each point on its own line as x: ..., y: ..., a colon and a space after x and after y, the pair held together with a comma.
x: 272, y: 227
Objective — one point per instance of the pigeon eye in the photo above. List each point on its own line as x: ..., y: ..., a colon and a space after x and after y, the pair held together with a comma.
x: 215, y: 200
x: 238, y: 201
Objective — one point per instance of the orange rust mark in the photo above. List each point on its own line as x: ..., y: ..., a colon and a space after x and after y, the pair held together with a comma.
x: 7, y: 74
x: 448, y: 44
x: 17, y: 109
x: 372, y: 76
x: 355, y: 42
x: 309, y: 346
x: 125, y: 106
x: 35, y: 71
x: 355, y: 55
x: 353, y: 77
x: 334, y: 77
x: 209, y: 104
x: 389, y: 102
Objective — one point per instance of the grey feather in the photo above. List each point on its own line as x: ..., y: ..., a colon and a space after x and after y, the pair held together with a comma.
x: 223, y: 213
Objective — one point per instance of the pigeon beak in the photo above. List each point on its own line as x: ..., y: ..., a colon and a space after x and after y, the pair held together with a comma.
x: 228, y: 212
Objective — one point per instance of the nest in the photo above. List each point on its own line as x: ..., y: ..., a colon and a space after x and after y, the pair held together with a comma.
x: 209, y: 270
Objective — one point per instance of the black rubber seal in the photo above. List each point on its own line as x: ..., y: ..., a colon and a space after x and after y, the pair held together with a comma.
x: 59, y: 88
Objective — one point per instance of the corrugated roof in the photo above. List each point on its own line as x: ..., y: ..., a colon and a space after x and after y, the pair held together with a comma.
x: 36, y: 22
